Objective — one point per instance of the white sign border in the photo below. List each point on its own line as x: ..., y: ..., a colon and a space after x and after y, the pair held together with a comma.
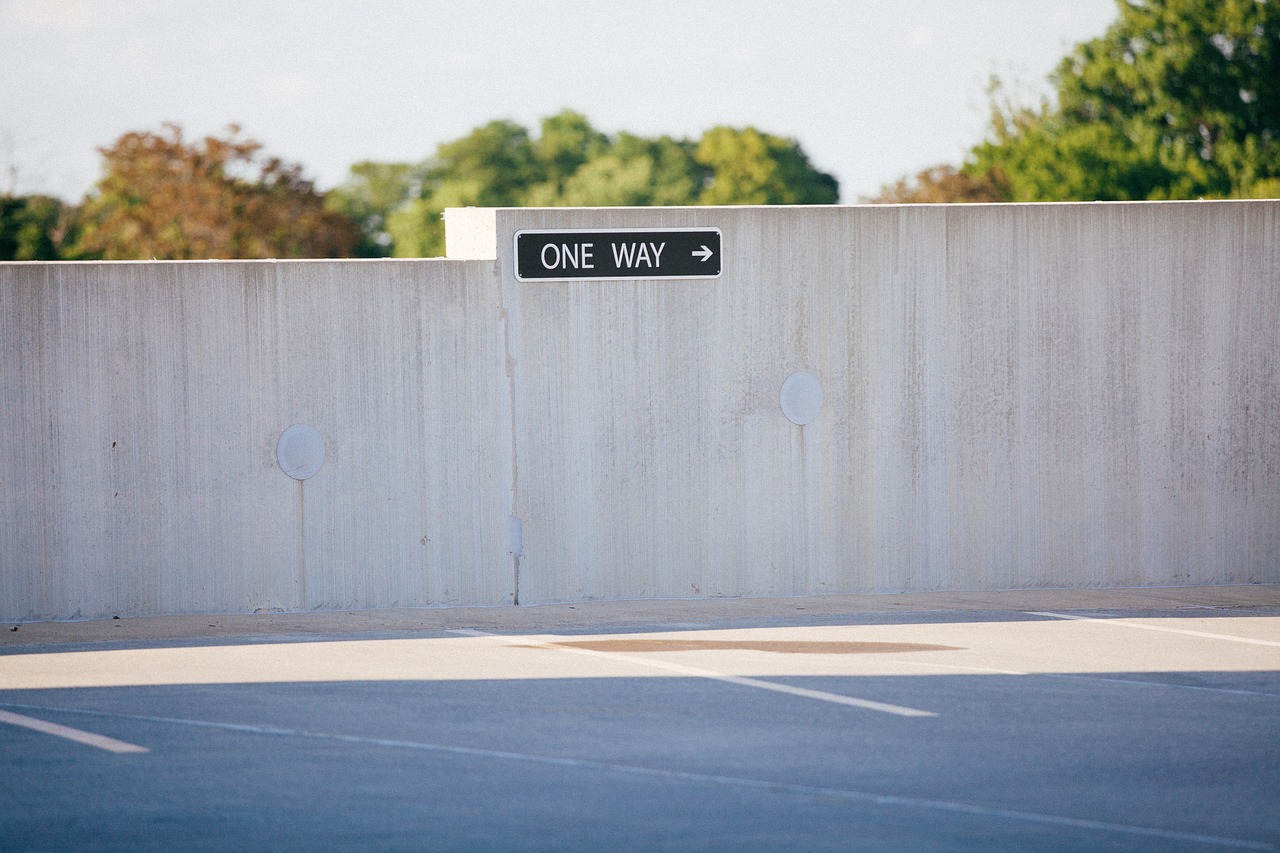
x: 515, y: 254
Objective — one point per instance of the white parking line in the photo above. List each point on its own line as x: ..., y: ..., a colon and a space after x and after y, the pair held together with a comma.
x: 89, y: 738
x: 1121, y: 623
x: 697, y: 672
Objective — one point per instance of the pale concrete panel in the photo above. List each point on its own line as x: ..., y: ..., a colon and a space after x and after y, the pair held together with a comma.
x: 1016, y: 397
x: 116, y: 441
x: 609, y: 403
x: 471, y: 234
x: 411, y: 395
x: 146, y: 400
x: 897, y: 333
x: 1111, y: 393
x: 653, y: 453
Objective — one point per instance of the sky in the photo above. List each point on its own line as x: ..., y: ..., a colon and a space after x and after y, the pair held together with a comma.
x: 872, y: 90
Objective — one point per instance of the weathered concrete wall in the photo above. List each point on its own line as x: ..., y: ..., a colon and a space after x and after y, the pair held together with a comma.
x: 1014, y: 397
x: 143, y: 403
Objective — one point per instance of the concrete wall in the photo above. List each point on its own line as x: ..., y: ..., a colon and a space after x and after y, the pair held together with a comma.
x: 1014, y: 397
x: 143, y: 404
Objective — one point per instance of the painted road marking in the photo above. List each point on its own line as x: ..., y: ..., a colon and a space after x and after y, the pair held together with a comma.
x: 89, y: 738
x: 748, y: 783
x: 698, y: 672
x: 1121, y: 623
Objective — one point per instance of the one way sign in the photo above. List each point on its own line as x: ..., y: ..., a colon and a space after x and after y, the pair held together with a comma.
x: 625, y: 253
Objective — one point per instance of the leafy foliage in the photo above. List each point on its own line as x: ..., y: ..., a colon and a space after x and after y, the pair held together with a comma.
x: 161, y: 197
x: 567, y: 143
x: 942, y: 184
x: 1178, y: 99
x: 570, y: 163
x: 632, y: 171
x: 750, y: 167
x: 369, y: 194
x: 34, y: 228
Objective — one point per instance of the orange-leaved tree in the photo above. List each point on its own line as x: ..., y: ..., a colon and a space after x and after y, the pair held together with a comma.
x: 162, y: 197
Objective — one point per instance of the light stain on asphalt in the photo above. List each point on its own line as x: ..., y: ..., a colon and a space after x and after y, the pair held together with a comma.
x: 786, y: 647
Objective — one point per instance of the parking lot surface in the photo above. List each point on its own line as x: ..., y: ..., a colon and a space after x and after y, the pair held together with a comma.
x: 1116, y: 720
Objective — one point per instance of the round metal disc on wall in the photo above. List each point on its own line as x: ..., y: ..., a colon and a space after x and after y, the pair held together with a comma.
x: 801, y: 397
x: 300, y: 451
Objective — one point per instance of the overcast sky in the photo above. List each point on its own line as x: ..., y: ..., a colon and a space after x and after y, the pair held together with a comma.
x: 873, y: 90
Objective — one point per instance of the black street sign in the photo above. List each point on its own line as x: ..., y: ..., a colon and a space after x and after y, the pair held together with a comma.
x: 625, y: 253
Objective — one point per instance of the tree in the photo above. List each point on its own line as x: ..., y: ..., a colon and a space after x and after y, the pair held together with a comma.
x: 161, y: 197
x: 636, y: 172
x: 570, y: 163
x: 943, y: 184
x: 34, y: 228
x: 369, y: 196
x: 493, y: 166
x: 750, y: 167
x: 566, y: 144
x: 1178, y: 99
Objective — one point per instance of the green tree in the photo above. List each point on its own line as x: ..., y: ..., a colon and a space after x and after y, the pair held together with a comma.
x: 750, y: 167
x: 369, y: 196
x: 34, y: 228
x: 570, y: 163
x: 161, y: 197
x: 566, y: 144
x: 493, y: 166
x: 1178, y: 99
x: 636, y: 172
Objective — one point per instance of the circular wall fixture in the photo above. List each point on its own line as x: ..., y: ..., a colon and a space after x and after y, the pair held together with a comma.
x: 300, y: 451
x: 801, y: 397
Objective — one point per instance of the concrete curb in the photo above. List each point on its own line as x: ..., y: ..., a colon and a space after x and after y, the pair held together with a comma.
x: 621, y: 614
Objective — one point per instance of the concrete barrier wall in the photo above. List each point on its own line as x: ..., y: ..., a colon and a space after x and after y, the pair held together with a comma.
x: 1013, y: 397
x: 144, y: 402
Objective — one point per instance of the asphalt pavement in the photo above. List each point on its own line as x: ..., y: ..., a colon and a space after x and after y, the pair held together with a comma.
x: 1095, y: 720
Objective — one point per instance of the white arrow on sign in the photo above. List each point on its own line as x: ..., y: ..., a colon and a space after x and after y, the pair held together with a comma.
x: 704, y: 255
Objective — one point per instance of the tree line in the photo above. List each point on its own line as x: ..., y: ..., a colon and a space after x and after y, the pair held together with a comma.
x: 165, y: 197
x: 571, y: 164
x: 1178, y: 99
